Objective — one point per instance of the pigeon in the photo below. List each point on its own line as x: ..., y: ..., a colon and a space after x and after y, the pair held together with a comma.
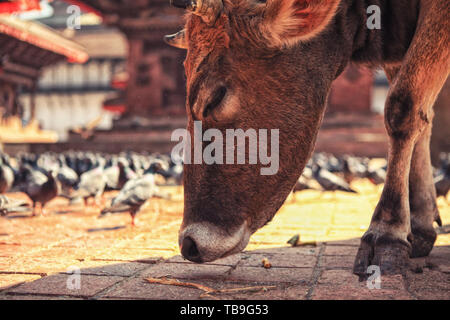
x: 176, y: 173
x: 305, y: 181
x: 39, y: 187
x: 134, y: 194
x: 84, y: 162
x: 377, y: 176
x: 111, y: 174
x: 67, y: 177
x: 136, y: 164
x: 92, y: 184
x: 125, y: 174
x: 303, y: 184
x: 172, y: 175
x: 8, y: 206
x: 326, y: 161
x: 353, y: 168
x: 6, y: 176
x: 118, y: 174
x: 329, y: 181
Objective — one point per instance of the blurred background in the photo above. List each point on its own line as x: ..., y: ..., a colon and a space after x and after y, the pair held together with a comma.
x: 96, y: 75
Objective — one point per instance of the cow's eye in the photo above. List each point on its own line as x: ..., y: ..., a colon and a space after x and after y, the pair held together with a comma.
x: 215, y: 101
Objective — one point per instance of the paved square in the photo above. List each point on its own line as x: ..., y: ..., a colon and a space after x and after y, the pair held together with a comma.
x: 113, y: 260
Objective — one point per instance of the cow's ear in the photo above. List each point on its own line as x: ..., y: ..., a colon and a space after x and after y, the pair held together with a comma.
x: 286, y: 22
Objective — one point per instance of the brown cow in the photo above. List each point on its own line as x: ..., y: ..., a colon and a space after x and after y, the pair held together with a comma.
x: 270, y: 64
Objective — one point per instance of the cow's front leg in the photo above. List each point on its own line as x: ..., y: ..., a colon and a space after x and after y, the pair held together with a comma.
x: 386, y: 244
x: 408, y: 113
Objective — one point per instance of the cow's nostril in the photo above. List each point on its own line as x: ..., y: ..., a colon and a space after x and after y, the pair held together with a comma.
x: 189, y: 250
x: 216, y: 99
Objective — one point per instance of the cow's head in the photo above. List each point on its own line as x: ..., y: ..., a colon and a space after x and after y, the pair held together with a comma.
x: 251, y: 65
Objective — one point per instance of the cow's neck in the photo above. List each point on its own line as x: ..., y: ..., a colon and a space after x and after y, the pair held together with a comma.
x: 388, y: 44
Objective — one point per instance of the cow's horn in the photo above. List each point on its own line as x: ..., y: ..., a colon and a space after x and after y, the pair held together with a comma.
x: 177, y: 40
x: 209, y: 10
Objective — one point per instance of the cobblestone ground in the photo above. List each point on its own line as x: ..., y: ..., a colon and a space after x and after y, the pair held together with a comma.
x: 114, y: 259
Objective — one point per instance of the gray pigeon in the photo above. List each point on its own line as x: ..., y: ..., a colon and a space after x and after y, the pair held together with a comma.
x: 92, y: 184
x: 118, y: 174
x: 329, y: 181
x: 354, y: 168
x: 67, y: 177
x: 305, y: 181
x: 8, y: 206
x: 377, y: 176
x: 112, y: 177
x: 134, y: 194
x: 39, y: 187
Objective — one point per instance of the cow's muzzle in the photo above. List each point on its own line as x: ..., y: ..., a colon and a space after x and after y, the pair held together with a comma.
x: 205, y: 242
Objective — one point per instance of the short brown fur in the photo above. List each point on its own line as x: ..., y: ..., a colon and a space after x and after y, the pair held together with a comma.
x: 283, y: 82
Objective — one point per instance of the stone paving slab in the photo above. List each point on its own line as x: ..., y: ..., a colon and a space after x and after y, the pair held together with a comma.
x: 138, y: 288
x: 56, y: 285
x: 36, y: 297
x: 342, y: 261
x: 428, y: 280
x: 290, y: 292
x: 111, y: 269
x: 341, y: 250
x: 272, y: 275
x: 114, y: 259
x: 349, y: 292
x: 291, y: 259
x: 41, y: 265
x: 189, y: 271
x: 10, y: 280
x: 254, y: 291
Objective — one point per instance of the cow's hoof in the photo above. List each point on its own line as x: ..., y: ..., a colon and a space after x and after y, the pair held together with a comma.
x: 422, y: 241
x: 389, y: 254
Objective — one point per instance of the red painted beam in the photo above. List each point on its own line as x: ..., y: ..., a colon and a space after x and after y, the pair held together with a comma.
x: 120, y: 108
x: 42, y: 37
x: 119, y: 84
x: 19, y: 6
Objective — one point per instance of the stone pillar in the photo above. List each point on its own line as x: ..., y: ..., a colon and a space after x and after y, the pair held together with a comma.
x: 153, y: 84
x: 33, y: 101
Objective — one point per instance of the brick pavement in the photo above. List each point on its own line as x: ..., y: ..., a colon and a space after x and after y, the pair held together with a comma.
x: 38, y: 254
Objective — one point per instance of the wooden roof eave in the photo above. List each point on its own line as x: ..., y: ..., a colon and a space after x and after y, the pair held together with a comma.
x: 43, y: 37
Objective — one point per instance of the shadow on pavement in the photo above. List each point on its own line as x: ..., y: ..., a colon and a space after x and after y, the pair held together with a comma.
x: 106, y: 229
x: 20, y: 216
x: 307, y: 272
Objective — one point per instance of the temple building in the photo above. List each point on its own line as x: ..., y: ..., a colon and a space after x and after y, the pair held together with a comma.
x: 26, y: 48
x: 155, y: 76
x: 69, y: 96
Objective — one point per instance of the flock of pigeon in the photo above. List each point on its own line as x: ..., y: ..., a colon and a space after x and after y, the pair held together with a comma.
x: 80, y: 176
x: 333, y: 174
x: 83, y: 176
